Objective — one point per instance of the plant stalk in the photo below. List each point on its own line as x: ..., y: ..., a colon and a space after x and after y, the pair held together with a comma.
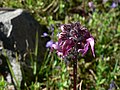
x: 75, y: 72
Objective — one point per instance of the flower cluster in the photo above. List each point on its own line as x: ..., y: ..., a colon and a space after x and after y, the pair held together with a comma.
x: 74, y: 38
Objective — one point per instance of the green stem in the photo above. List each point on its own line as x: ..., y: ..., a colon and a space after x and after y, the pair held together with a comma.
x: 12, y: 73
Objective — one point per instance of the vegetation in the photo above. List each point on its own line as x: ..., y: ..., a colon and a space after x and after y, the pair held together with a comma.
x: 102, y: 18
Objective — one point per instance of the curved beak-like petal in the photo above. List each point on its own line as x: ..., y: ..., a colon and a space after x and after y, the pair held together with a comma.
x: 91, y: 42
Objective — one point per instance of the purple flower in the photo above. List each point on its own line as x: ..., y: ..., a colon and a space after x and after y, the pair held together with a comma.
x: 114, y: 5
x: 112, y: 86
x: 91, y: 5
x: 45, y: 34
x: 74, y: 38
x: 49, y: 44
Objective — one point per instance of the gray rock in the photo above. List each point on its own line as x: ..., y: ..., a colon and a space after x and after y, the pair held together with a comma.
x: 18, y: 36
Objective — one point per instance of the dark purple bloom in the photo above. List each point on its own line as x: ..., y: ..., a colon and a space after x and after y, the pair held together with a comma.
x: 74, y: 38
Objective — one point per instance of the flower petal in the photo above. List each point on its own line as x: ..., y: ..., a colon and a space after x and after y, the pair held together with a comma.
x: 85, y: 49
x: 62, y: 28
x: 49, y: 43
x: 55, y: 46
x: 67, y: 46
x: 91, y: 42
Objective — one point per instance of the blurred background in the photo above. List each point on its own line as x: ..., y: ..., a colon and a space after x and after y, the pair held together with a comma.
x: 102, y: 18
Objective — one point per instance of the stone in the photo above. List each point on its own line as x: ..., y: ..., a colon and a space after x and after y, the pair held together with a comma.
x: 18, y: 30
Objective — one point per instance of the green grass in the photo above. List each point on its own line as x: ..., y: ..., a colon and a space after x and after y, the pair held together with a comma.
x: 93, y: 73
